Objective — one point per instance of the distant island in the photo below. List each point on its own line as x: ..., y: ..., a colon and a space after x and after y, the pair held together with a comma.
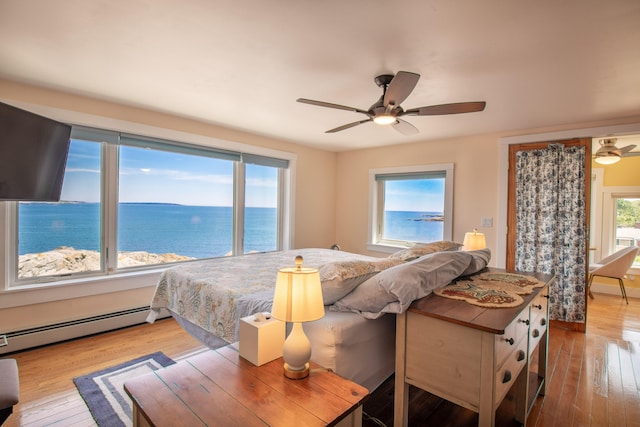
x: 428, y: 217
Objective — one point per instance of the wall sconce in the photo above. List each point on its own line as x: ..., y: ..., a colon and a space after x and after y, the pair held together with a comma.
x: 297, y: 298
x: 474, y: 241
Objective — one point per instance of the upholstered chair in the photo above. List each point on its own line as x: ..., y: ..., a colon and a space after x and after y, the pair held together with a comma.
x: 614, y: 266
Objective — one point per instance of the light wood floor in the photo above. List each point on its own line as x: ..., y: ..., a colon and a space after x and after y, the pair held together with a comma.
x: 594, y: 377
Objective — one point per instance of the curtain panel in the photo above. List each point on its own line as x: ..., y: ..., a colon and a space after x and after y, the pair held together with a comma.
x: 551, y: 224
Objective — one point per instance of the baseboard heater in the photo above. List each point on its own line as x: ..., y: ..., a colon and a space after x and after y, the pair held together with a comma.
x: 34, y: 337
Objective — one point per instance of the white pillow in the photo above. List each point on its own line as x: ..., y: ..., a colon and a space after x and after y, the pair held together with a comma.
x: 422, y: 249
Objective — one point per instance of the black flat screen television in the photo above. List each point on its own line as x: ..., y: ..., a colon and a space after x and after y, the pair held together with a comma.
x: 33, y: 155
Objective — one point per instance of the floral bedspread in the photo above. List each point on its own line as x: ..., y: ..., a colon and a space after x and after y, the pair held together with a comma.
x: 204, y: 292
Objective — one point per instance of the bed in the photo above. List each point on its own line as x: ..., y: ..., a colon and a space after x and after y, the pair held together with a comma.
x: 355, y: 338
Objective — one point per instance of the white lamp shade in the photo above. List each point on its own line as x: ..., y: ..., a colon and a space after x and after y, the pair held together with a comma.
x: 298, y: 295
x: 474, y: 241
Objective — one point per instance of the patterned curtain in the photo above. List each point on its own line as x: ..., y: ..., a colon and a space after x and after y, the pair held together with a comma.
x: 551, y: 226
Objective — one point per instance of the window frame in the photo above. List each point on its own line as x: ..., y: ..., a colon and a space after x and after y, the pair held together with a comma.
x: 609, y: 214
x: 50, y: 288
x: 375, y: 241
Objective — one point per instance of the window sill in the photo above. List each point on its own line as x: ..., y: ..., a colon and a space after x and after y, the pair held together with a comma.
x: 38, y: 293
x: 386, y: 247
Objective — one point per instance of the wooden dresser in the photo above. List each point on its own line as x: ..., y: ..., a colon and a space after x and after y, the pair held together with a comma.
x: 472, y: 355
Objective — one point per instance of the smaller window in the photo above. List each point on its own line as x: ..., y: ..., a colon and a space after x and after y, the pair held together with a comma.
x: 409, y: 205
x: 627, y: 226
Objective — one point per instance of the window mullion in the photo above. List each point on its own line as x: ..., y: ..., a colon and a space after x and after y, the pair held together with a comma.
x: 109, y: 214
x: 239, y: 181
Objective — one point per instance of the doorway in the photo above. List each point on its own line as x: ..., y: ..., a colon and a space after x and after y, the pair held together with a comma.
x: 548, y: 220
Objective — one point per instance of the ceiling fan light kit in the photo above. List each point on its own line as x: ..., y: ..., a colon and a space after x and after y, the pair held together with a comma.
x: 608, y: 153
x: 387, y: 110
x: 608, y: 160
x: 384, y: 120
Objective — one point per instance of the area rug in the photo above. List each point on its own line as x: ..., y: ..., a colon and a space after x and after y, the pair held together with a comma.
x: 104, y: 394
x: 491, y: 289
x: 472, y: 293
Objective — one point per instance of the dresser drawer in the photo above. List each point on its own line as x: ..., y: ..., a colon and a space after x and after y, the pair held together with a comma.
x: 539, y: 320
x: 513, y: 334
x: 507, y: 374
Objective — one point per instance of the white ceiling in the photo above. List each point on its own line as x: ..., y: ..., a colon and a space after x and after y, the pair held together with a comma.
x: 243, y: 64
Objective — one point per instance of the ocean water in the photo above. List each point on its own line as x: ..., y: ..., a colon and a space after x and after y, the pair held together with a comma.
x: 194, y: 231
x: 413, y: 226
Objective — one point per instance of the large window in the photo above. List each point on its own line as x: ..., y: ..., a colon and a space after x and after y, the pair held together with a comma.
x: 409, y: 205
x: 132, y: 202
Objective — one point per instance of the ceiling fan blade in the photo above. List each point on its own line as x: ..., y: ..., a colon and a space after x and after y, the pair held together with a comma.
x: 405, y: 127
x: 442, y: 109
x: 347, y: 126
x: 400, y: 87
x: 330, y: 105
x: 626, y: 149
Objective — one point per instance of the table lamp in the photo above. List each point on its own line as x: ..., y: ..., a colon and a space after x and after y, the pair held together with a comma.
x: 474, y: 241
x: 297, y: 298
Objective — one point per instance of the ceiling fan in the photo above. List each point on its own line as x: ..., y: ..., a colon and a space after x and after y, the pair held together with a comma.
x: 608, y: 153
x: 387, y: 110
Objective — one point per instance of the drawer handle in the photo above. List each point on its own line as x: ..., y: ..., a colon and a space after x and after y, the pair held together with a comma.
x: 539, y: 306
x: 526, y: 321
x: 543, y: 321
x: 545, y: 296
x: 535, y: 333
x: 510, y: 341
x: 520, y: 355
x: 507, y: 377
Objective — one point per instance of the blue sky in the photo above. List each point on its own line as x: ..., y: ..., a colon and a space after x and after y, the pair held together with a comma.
x: 424, y: 195
x: 163, y: 177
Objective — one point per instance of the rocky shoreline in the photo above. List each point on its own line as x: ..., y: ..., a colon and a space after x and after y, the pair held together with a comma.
x: 66, y: 260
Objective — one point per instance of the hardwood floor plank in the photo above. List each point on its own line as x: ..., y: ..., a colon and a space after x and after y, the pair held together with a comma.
x: 583, y: 399
x: 566, y: 409
x: 557, y: 375
x: 599, y: 408
x: 629, y: 385
x: 615, y: 402
x: 634, y: 355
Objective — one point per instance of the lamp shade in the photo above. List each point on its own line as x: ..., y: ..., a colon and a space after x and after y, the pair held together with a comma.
x: 298, y: 294
x: 474, y: 241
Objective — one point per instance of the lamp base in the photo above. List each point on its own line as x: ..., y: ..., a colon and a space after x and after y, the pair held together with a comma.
x: 296, y: 375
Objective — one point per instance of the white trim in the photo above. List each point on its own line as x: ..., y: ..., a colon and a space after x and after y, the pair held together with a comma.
x: 595, y: 240
x: 76, y: 288
x: 614, y: 289
x: 503, y: 172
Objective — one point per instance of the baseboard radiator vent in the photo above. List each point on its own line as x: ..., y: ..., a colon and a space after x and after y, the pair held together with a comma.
x: 34, y: 337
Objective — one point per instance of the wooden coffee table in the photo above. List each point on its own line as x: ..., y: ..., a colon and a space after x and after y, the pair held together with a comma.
x: 220, y: 388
